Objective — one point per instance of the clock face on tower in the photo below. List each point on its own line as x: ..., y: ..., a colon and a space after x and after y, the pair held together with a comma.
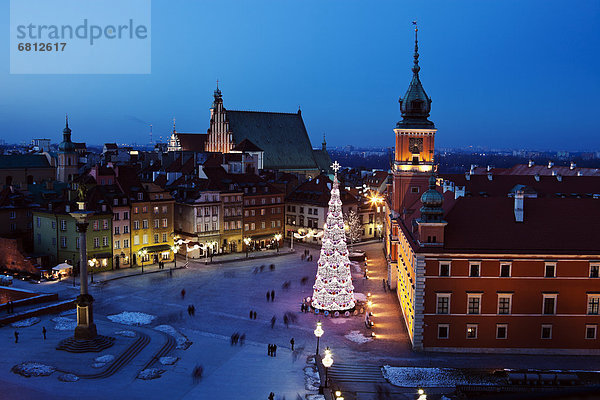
x: 415, y: 145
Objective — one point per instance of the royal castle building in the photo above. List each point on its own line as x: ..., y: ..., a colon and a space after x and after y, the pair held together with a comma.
x: 490, y: 263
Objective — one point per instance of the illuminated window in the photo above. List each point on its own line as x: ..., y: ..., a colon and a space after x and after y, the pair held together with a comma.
x: 471, y: 331
x: 501, y: 331
x: 594, y: 270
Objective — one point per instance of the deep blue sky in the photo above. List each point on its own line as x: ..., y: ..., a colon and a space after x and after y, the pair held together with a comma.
x: 505, y: 74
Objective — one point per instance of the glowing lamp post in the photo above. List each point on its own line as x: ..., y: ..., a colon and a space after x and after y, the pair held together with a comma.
x: 92, y: 264
x: 247, y: 243
x: 327, y: 362
x: 318, y: 333
x: 175, y: 249
x: 277, y: 239
x: 141, y: 255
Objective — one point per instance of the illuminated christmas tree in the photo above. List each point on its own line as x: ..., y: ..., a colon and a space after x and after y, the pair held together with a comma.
x: 333, y: 289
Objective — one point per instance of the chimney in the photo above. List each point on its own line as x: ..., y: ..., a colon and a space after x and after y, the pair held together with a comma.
x: 519, y: 206
x: 468, y: 176
x: 536, y: 177
x: 559, y: 178
x: 553, y: 172
x: 489, y: 175
x: 531, y: 163
x: 489, y: 168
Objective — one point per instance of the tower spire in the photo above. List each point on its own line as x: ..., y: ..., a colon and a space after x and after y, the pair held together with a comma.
x: 173, y: 124
x: 67, y: 129
x: 416, y: 67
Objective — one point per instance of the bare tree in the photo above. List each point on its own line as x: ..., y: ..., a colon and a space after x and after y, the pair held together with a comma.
x: 354, y: 228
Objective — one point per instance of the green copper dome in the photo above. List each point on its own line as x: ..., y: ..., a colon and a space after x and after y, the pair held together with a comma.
x: 66, y: 146
x: 432, y: 203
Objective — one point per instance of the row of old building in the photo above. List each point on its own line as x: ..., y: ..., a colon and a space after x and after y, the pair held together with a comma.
x: 147, y: 206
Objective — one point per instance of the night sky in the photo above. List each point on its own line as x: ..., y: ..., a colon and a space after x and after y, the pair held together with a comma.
x: 503, y: 74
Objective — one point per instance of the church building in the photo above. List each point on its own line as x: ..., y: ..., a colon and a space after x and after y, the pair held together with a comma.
x: 282, y: 137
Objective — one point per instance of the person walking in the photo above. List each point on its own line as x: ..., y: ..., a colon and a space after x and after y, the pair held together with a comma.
x: 268, y: 296
x: 271, y: 396
x: 273, y: 321
x: 272, y: 295
x: 182, y: 294
x: 274, y: 350
x: 292, y: 343
x: 242, y: 339
x: 16, y: 337
x: 251, y: 313
x: 269, y: 349
x: 285, y: 321
x: 44, y: 332
x: 254, y: 315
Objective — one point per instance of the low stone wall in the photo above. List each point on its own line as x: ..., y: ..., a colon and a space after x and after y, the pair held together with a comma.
x: 49, y: 309
x: 21, y: 297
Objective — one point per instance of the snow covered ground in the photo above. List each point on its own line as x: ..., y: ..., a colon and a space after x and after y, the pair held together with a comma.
x: 64, y: 323
x: 25, y: 322
x: 132, y: 318
x: 357, y: 337
x: 29, y: 369
x: 432, y: 377
x: 182, y: 341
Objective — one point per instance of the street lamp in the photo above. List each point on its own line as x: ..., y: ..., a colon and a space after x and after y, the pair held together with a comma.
x: 141, y: 255
x: 277, y: 239
x: 247, y: 243
x: 318, y: 333
x: 338, y: 395
x: 327, y: 362
x: 92, y: 263
x: 175, y: 249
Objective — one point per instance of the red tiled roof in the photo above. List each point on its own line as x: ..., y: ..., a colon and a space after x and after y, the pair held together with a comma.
x: 317, y: 191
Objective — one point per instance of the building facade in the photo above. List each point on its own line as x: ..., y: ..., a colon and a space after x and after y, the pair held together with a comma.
x: 488, y: 270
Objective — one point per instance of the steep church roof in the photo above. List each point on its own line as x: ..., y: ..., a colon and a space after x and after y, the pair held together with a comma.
x: 282, y: 136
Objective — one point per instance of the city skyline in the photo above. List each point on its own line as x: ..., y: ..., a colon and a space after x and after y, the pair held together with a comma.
x: 474, y: 61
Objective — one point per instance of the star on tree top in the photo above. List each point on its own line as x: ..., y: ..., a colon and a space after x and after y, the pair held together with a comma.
x: 336, y: 166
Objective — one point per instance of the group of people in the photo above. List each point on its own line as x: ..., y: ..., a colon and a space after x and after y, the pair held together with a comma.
x: 252, y: 314
x: 161, y: 265
x: 271, y: 295
x: 236, y: 337
x: 191, y: 310
x: 272, y: 350
x: 306, y: 256
x: 304, y: 307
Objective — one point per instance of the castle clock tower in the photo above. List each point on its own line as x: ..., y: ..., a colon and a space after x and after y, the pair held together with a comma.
x: 415, y: 134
